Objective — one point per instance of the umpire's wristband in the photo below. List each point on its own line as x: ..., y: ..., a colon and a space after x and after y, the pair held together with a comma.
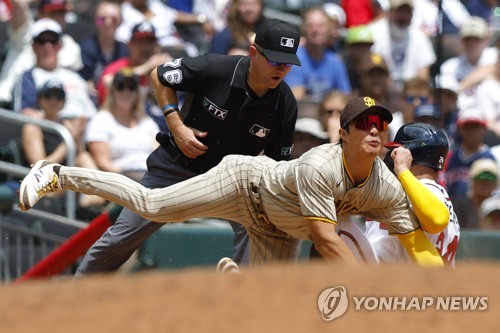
x: 169, y: 108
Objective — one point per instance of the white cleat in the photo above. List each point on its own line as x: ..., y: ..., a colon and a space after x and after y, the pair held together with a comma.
x: 227, y: 266
x: 40, y: 181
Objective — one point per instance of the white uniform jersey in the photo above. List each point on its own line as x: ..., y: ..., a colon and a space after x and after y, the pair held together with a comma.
x: 389, y: 249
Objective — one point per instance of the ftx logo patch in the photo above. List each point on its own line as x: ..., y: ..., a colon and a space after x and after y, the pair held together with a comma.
x: 214, y: 110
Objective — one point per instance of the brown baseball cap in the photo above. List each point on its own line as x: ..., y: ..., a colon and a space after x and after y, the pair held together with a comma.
x: 359, y: 105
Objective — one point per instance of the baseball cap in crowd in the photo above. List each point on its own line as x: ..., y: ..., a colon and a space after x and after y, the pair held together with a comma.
x: 484, y: 169
x: 144, y: 30
x: 335, y: 13
x: 374, y: 61
x: 426, y: 110
x: 475, y: 27
x: 126, y: 78
x: 278, y: 41
x: 53, y: 5
x: 50, y: 88
x: 489, y: 205
x: 311, y: 126
x: 46, y: 25
x: 360, y: 34
x: 398, y: 3
x: 359, y: 105
x: 470, y: 115
x: 447, y: 82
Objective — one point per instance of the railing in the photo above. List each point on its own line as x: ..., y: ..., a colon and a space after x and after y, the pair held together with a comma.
x: 46, y: 125
x: 28, y: 237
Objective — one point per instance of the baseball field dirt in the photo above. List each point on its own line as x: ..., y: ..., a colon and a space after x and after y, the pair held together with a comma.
x: 275, y: 298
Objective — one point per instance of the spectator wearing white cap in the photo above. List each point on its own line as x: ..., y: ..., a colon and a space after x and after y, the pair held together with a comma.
x: 483, y: 175
x: 46, y: 44
x: 475, y: 36
x: 309, y: 133
x: 488, y: 98
x: 20, y: 56
x: 489, y: 213
x: 446, y: 92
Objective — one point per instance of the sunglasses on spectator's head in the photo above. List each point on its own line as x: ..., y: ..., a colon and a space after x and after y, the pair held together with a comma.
x: 57, y: 94
x: 45, y: 40
x: 416, y: 99
x: 273, y: 63
x: 101, y: 20
x: 126, y: 86
x: 366, y: 122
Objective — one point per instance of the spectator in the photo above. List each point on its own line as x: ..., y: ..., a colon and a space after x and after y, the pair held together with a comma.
x: 474, y: 35
x: 358, y: 12
x: 243, y: 19
x: 20, y: 56
x: 46, y: 36
x: 488, y: 99
x: 322, y: 70
x: 100, y: 49
x: 483, y: 175
x: 415, y: 92
x: 337, y: 18
x: 163, y: 18
x: 446, y: 92
x: 489, y: 213
x: 472, y: 129
x: 121, y: 136
x: 309, y: 133
x: 144, y: 57
x: 331, y: 107
x: 427, y: 114
x: 359, y: 41
x: 37, y: 144
x: 407, y: 50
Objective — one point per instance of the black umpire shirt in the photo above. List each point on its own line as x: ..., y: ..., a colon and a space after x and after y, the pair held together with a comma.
x: 220, y: 102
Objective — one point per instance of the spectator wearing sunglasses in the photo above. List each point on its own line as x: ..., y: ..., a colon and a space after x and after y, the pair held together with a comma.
x: 322, y: 69
x: 329, y: 113
x: 20, y: 56
x: 46, y: 44
x: 121, y: 136
x: 101, y: 49
x: 415, y: 92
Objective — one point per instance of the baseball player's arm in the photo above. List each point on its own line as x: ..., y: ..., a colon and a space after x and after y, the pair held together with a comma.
x: 185, y: 137
x: 420, y: 249
x: 431, y: 212
x: 328, y: 243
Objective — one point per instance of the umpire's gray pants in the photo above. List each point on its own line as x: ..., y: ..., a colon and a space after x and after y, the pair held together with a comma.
x: 223, y: 192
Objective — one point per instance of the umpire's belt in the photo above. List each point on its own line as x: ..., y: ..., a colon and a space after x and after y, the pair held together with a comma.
x: 261, y: 214
x: 166, y: 140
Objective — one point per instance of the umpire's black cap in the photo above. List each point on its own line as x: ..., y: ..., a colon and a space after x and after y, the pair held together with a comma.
x: 358, y: 105
x: 279, y: 41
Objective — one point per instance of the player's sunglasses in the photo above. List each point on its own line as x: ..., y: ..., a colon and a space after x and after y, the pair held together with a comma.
x: 366, y: 122
x: 57, y: 94
x: 273, y: 63
x: 121, y: 86
x: 45, y: 40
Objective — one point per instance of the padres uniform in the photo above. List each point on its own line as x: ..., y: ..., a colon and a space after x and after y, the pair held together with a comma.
x: 220, y: 102
x: 273, y: 200
x: 389, y: 249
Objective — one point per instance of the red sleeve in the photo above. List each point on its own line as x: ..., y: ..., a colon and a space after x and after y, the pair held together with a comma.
x: 357, y: 12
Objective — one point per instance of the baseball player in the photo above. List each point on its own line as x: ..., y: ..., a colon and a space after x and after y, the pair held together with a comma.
x: 274, y: 200
x: 233, y: 105
x: 417, y: 154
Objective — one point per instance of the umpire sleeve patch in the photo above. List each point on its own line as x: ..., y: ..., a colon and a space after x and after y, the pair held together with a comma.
x: 285, y: 151
x: 173, y: 76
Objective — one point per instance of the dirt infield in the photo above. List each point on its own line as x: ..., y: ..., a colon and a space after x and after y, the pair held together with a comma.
x: 280, y: 298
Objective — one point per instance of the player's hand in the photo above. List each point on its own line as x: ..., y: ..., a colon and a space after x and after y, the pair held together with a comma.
x: 186, y: 140
x: 402, y: 159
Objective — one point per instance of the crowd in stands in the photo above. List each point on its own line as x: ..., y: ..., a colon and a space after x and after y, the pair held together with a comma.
x: 94, y: 80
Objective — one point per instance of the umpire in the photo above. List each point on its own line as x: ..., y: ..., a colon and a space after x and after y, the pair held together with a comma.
x: 234, y: 105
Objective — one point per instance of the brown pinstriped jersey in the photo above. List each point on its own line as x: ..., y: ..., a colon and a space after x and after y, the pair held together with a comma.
x: 316, y: 186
